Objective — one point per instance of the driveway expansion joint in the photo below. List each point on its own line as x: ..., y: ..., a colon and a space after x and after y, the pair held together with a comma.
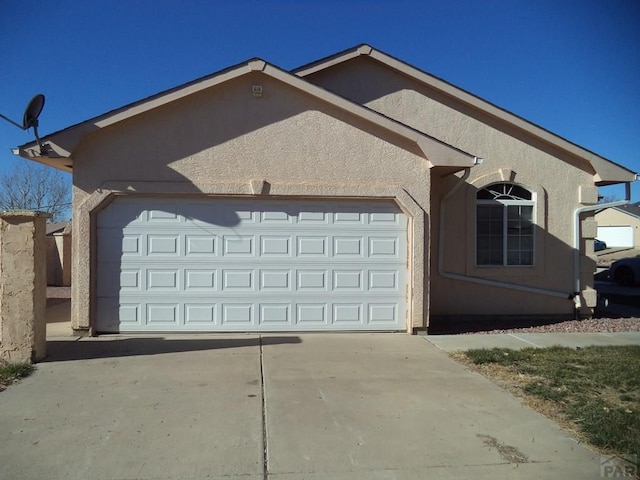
x: 265, y: 453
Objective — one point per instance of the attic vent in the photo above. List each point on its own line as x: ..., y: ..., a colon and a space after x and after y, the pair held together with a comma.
x: 256, y: 90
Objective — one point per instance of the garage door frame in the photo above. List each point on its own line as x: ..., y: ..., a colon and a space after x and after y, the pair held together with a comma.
x: 84, y: 287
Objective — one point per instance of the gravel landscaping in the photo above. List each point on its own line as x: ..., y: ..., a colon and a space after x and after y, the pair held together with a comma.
x: 594, y: 325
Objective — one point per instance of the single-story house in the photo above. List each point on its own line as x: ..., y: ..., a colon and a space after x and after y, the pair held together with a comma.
x: 619, y: 226
x: 354, y: 193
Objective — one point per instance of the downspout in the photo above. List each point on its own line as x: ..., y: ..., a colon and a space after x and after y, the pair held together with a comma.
x: 576, y: 240
x: 482, y: 281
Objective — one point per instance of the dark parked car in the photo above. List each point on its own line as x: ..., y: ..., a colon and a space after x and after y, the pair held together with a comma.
x: 626, y: 271
x: 599, y: 245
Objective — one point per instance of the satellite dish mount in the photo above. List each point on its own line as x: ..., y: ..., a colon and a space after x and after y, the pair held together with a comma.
x: 30, y: 119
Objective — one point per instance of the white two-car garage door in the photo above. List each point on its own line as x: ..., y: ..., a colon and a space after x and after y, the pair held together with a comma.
x: 250, y: 265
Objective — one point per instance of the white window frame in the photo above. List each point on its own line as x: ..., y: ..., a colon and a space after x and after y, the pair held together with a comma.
x: 505, y: 203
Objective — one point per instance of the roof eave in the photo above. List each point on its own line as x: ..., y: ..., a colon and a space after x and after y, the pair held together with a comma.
x: 606, y: 171
x: 61, y: 145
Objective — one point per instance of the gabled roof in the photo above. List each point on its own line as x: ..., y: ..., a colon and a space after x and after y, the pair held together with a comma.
x: 632, y: 209
x: 606, y: 171
x: 58, y: 227
x: 60, y: 145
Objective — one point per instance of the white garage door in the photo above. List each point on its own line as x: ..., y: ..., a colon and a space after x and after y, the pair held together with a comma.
x: 250, y: 265
x: 621, y: 236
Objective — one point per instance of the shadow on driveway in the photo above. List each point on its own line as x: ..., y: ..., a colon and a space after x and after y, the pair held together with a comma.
x: 105, y: 347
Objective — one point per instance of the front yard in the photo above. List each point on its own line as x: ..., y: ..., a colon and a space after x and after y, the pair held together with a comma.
x: 592, y: 391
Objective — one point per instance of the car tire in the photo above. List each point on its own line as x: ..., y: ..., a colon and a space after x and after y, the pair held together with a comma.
x: 624, y: 277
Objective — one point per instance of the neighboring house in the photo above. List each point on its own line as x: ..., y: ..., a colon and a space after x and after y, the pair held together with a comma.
x: 619, y: 226
x: 354, y: 193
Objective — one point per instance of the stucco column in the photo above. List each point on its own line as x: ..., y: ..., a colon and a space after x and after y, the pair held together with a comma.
x: 23, y: 286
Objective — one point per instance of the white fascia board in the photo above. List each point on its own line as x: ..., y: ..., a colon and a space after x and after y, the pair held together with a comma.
x: 63, y: 143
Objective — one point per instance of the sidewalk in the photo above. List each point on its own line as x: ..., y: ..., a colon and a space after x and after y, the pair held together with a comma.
x: 516, y: 341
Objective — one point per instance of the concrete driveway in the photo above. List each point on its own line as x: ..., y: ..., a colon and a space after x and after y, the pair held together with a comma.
x: 314, y: 406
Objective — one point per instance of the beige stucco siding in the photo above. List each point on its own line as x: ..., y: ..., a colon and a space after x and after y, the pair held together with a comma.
x: 223, y: 141
x: 509, y: 155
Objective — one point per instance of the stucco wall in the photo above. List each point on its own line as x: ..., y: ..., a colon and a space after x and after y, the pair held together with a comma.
x: 560, y: 183
x: 223, y: 141
x: 23, y: 289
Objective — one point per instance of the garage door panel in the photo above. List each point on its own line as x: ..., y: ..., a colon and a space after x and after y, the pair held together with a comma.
x: 347, y: 246
x: 348, y: 218
x: 383, y: 313
x: 122, y: 216
x: 383, y: 247
x: 313, y: 280
x: 237, y: 280
x: 275, y: 280
x: 383, y: 281
x: 277, y: 314
x: 163, y: 314
x: 163, y: 215
x: 200, y: 280
x: 384, y: 218
x: 112, y: 245
x: 312, y: 246
x: 116, y: 316
x: 313, y: 217
x: 311, y: 314
x: 200, y: 245
x: 347, y: 280
x: 130, y: 279
x: 238, y: 314
x: 201, y: 314
x: 244, y: 265
x: 238, y: 246
x: 162, y: 280
x: 275, y: 245
x: 163, y: 245
x: 276, y: 217
x: 347, y: 314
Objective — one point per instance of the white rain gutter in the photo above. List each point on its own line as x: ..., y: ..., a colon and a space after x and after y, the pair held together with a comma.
x: 576, y: 239
x: 482, y: 281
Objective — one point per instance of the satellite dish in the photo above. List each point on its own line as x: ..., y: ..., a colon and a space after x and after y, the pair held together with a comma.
x: 32, y: 112
x: 30, y: 120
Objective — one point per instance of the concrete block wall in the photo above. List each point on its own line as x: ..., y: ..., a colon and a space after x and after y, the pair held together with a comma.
x: 23, y: 286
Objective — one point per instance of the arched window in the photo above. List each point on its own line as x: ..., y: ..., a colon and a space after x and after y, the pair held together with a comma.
x: 504, y: 225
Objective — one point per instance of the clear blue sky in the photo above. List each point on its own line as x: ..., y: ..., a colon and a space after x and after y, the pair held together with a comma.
x: 570, y: 66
